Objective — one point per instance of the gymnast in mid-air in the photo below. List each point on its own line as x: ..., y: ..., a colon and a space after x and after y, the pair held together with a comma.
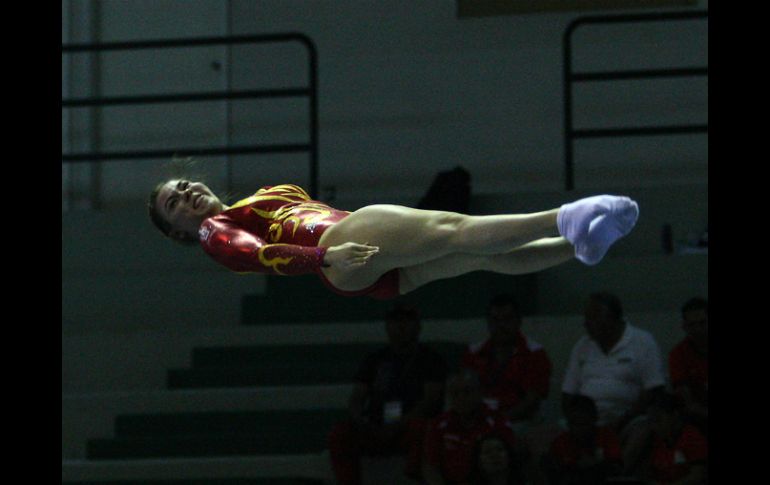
x: 382, y: 250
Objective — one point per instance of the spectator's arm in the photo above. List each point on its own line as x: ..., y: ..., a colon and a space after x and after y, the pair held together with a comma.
x: 652, y: 373
x: 571, y: 384
x: 640, y: 406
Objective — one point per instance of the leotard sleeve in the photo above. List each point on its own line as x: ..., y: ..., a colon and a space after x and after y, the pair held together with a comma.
x: 242, y: 251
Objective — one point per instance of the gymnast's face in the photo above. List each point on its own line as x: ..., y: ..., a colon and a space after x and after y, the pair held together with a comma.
x: 185, y: 204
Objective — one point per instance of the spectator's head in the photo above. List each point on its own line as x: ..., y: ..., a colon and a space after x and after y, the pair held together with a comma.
x: 604, y: 318
x: 464, y: 392
x: 582, y: 417
x: 493, y: 458
x: 503, y: 319
x: 402, y: 325
x: 695, y: 319
x: 665, y: 414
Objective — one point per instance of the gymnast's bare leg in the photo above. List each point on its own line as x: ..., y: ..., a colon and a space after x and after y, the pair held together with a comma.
x: 409, y: 238
x: 529, y: 258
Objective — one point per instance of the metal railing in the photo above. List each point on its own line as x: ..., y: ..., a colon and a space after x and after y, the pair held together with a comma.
x: 310, y: 91
x: 570, y: 77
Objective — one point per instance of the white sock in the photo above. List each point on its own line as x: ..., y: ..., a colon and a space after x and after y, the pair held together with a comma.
x: 574, y: 219
x: 605, y: 230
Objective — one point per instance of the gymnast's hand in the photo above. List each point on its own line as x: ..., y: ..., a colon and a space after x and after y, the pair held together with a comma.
x: 350, y: 255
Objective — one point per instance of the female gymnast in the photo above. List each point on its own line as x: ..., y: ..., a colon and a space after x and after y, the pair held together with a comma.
x: 382, y: 251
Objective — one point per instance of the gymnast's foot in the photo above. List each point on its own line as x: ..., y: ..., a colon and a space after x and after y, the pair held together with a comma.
x: 593, y: 224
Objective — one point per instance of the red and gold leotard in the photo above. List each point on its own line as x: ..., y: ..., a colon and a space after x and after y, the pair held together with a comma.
x: 274, y: 231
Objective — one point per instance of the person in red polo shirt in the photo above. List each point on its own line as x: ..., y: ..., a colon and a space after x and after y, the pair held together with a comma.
x: 688, y: 364
x: 515, y: 374
x: 451, y: 437
x: 680, y: 452
x: 514, y: 370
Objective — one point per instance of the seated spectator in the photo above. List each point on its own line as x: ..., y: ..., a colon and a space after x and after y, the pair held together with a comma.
x: 620, y: 367
x: 584, y: 454
x: 515, y: 375
x: 451, y: 437
x: 514, y: 370
x: 396, y: 391
x: 679, y: 451
x: 688, y: 364
x: 495, y: 462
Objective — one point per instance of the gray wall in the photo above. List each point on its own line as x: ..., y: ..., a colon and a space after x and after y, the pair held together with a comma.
x: 406, y: 89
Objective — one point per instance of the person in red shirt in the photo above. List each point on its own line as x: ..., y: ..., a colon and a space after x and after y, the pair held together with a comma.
x: 514, y: 371
x: 688, y: 364
x: 451, y: 437
x: 515, y: 374
x: 382, y: 250
x: 585, y: 453
x: 679, y: 452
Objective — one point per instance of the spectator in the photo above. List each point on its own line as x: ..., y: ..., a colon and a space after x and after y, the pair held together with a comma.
x: 396, y: 391
x: 495, y: 462
x: 688, y: 364
x: 620, y: 367
x: 679, y: 451
x: 515, y: 374
x: 584, y: 454
x: 514, y: 370
x: 450, y: 439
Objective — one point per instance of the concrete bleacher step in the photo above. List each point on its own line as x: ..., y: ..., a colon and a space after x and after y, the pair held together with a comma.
x: 284, y: 365
x: 305, y: 299
x: 214, y: 434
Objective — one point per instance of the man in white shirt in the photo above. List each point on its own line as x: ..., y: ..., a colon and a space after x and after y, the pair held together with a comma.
x: 621, y: 368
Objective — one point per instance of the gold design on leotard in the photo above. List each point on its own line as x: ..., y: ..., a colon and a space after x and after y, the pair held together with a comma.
x: 273, y: 262
x: 285, y: 189
x: 286, y: 213
x: 275, y: 232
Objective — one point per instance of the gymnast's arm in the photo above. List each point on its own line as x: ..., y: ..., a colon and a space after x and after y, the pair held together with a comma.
x: 242, y: 251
